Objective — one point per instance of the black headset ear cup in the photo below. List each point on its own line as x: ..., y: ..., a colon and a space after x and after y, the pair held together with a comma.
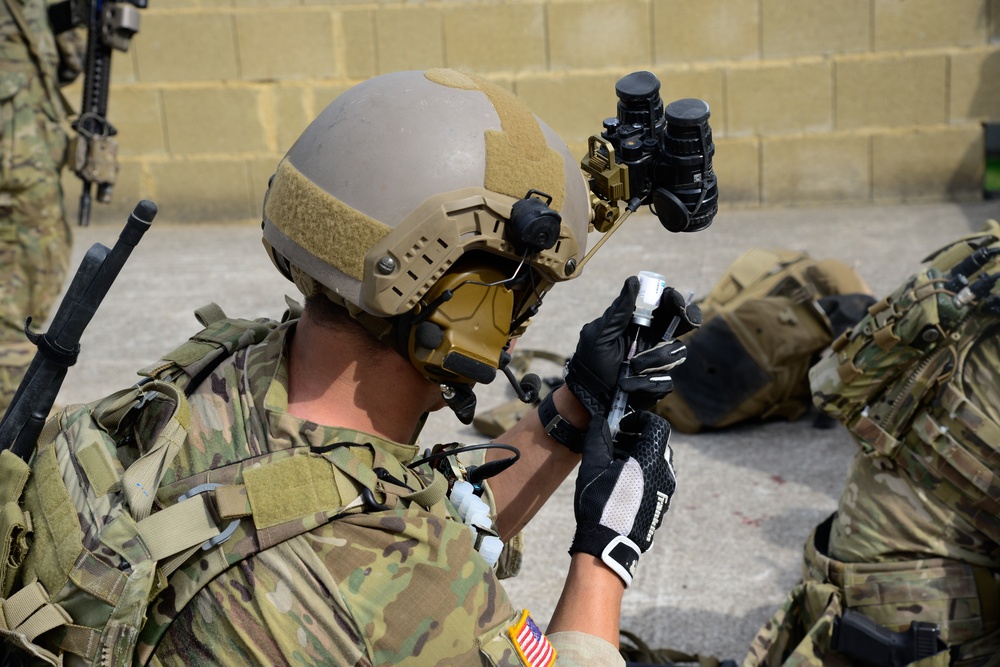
x: 533, y: 226
x: 672, y: 213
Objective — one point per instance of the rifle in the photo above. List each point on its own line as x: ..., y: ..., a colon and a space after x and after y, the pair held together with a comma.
x: 59, y: 347
x: 93, y: 153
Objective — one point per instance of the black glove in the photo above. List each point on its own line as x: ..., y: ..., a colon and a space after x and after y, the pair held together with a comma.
x: 592, y: 372
x: 622, y: 494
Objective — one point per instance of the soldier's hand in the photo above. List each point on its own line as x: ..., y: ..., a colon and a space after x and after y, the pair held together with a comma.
x: 592, y: 372
x: 623, y: 493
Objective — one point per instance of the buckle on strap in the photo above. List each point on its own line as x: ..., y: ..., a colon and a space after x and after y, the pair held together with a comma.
x: 224, y: 534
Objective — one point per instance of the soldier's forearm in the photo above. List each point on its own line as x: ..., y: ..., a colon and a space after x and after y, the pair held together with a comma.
x: 521, y: 490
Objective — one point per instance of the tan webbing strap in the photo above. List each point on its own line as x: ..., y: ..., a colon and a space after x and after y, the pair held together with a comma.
x: 960, y: 408
x: 100, y: 579
x: 29, y: 612
x: 142, y: 478
x: 232, y: 502
x: 874, y: 436
x: 430, y: 495
x: 110, y: 410
x: 179, y: 527
x: 81, y: 640
x: 209, y: 314
x: 989, y: 596
x: 885, y: 338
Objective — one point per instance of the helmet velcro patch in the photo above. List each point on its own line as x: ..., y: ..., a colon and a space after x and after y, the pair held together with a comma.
x: 332, y: 231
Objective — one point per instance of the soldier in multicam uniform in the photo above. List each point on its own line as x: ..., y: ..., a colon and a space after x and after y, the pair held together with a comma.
x: 34, y: 235
x: 404, y: 215
x: 916, y: 536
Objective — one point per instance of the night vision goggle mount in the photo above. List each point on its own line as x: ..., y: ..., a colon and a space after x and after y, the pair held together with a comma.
x: 652, y: 155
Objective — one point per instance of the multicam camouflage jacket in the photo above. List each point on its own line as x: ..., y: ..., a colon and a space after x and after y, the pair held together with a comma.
x: 395, y: 586
x: 322, y: 547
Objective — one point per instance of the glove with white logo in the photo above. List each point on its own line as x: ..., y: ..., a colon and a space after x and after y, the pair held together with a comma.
x: 592, y: 371
x: 623, y: 489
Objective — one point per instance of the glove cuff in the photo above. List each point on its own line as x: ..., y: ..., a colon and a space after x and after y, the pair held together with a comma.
x: 618, y: 552
x: 581, y: 388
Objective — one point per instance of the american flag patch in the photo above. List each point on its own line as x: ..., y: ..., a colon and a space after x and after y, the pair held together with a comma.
x: 534, y: 649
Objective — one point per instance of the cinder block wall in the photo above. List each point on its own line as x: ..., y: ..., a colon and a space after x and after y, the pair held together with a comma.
x: 813, y: 101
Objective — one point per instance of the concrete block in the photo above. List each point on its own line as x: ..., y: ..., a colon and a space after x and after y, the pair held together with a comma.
x: 323, y: 94
x: 782, y: 98
x: 574, y: 106
x: 292, y: 112
x: 993, y: 11
x: 975, y: 85
x: 409, y: 38
x: 922, y: 24
x: 123, y: 68
x: 686, y: 31
x: 285, y: 44
x: 357, y: 35
x: 203, y: 190
x: 213, y: 120
x: 589, y: 34
x: 794, y: 28
x: 703, y: 83
x: 737, y: 166
x: 197, y: 46
x: 890, y: 91
x: 815, y: 169
x: 928, y: 164
x: 261, y: 3
x: 495, y: 37
x: 138, y: 115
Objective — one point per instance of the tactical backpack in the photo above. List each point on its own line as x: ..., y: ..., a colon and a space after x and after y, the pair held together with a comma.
x: 85, y: 526
x: 765, y: 321
x: 896, y: 379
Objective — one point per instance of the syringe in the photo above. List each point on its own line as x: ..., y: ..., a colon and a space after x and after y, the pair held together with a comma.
x: 651, y: 286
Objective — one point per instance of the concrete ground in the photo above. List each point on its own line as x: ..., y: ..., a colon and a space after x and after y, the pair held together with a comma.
x: 747, y: 498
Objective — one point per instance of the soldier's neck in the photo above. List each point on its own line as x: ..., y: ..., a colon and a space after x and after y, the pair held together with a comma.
x: 338, y: 379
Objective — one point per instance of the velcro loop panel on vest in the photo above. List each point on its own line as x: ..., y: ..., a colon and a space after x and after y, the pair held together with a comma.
x: 15, y: 524
x: 179, y: 527
x: 99, y: 468
x: 13, y: 473
x: 291, y: 488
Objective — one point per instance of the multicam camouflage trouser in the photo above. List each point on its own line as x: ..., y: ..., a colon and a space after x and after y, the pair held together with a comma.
x: 963, y: 600
x: 35, y: 238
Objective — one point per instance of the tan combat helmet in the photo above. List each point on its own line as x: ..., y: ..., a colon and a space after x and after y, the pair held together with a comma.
x: 437, y: 209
